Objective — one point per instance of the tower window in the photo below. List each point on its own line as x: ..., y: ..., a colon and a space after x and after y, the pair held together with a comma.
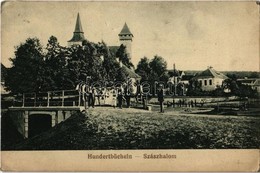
x: 205, y: 82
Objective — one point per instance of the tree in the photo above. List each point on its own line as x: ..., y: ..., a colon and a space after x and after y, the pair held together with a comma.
x: 3, y: 72
x: 194, y: 88
x: 154, y: 70
x: 60, y: 67
x: 55, y: 70
x: 109, y: 67
x: 254, y: 75
x: 238, y: 89
x: 143, y: 68
x: 84, y: 61
x: 93, y: 63
x: 158, y: 67
x: 25, y: 74
x: 232, y: 76
x: 122, y: 55
x: 231, y: 84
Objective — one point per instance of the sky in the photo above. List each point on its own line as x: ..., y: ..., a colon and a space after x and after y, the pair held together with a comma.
x: 193, y: 35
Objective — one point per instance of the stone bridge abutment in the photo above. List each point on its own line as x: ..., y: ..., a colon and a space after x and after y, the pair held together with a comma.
x: 31, y: 121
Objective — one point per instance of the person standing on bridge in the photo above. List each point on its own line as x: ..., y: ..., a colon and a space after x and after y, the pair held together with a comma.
x: 91, y: 97
x: 94, y: 94
x: 84, y: 94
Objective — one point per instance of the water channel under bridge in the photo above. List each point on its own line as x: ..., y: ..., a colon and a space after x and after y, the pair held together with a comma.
x: 34, y: 113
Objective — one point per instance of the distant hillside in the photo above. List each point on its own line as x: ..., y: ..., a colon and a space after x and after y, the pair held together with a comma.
x: 238, y: 74
x: 243, y: 74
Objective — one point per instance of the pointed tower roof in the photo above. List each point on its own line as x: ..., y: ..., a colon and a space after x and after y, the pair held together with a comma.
x: 78, y: 34
x: 125, y: 31
x: 78, y: 27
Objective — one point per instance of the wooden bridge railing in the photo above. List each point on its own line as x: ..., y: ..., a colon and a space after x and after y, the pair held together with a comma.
x: 50, y: 98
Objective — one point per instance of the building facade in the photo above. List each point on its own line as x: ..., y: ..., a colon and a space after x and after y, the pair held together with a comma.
x: 210, y: 79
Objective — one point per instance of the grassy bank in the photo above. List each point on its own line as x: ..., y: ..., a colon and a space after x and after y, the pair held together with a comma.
x: 108, y: 128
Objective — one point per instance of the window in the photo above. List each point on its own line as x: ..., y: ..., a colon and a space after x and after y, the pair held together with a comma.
x: 205, y: 82
x: 210, y: 82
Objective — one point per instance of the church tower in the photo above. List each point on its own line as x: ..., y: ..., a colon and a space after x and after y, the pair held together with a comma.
x: 125, y: 38
x: 78, y: 34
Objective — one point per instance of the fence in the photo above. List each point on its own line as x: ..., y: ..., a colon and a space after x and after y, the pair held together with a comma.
x: 50, y: 98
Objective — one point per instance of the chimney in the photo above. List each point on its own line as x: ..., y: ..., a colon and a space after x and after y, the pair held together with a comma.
x: 174, y: 66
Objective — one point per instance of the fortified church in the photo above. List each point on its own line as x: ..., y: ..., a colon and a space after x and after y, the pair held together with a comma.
x: 125, y: 38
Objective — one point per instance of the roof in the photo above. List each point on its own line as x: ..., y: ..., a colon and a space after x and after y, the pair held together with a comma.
x: 113, y: 49
x: 250, y: 81
x: 130, y: 73
x: 173, y: 72
x: 187, y: 77
x: 210, y: 73
x: 247, y: 81
x: 78, y: 27
x: 257, y: 82
x: 125, y: 31
x: 77, y: 37
x: 78, y: 34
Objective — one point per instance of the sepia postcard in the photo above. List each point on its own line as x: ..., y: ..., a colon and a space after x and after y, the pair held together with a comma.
x: 130, y: 86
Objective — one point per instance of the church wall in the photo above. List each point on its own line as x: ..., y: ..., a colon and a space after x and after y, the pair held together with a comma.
x: 128, y: 45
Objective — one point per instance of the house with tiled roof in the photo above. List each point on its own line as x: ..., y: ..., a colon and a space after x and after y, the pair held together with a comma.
x: 210, y: 79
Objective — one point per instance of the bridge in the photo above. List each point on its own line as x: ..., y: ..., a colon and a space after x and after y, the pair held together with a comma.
x: 33, y: 113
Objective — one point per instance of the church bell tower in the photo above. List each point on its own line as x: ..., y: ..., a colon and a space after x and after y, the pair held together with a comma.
x: 126, y: 38
x: 78, y: 34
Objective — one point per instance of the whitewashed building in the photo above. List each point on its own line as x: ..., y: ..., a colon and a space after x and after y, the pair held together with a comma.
x: 210, y: 79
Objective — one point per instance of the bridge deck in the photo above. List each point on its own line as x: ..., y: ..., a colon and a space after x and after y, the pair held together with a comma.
x: 52, y: 108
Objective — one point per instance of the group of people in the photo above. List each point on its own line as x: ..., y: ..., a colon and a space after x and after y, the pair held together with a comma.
x: 114, y: 96
x: 187, y: 103
x: 87, y: 95
x: 117, y: 96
